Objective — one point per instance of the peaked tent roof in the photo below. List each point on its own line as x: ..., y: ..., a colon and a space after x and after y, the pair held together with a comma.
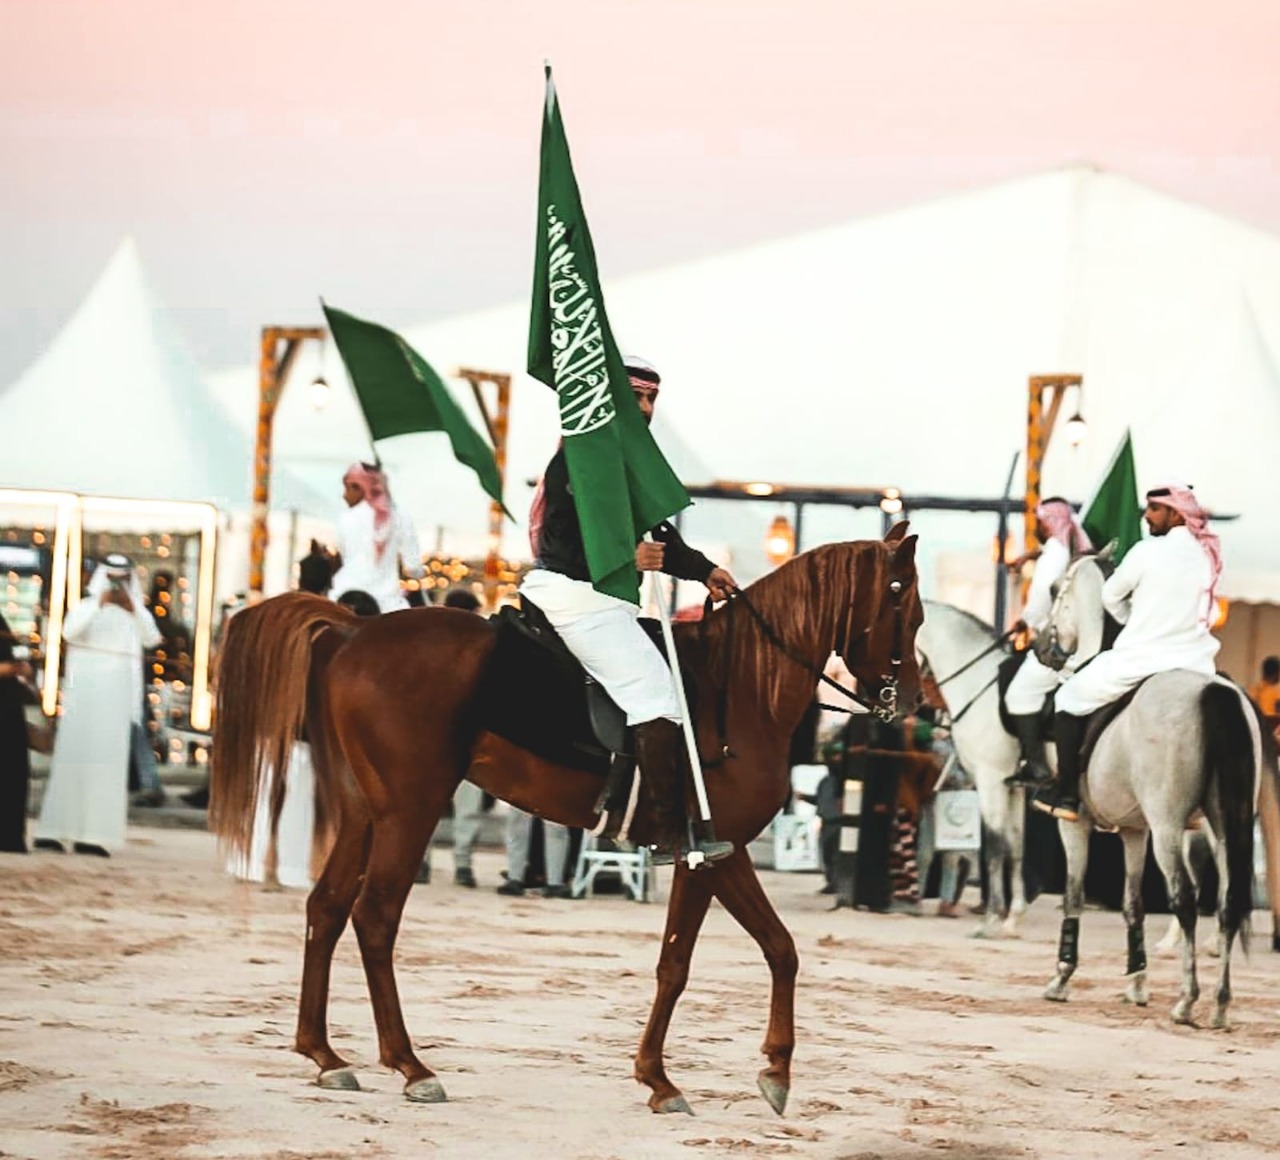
x: 117, y: 406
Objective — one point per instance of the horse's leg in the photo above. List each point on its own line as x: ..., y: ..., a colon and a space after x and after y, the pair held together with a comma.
x: 328, y: 907
x: 1016, y: 833
x: 399, y: 842
x: 1075, y: 842
x: 741, y: 894
x: 996, y: 850
x: 1223, y: 997
x: 1135, y: 858
x: 687, y: 907
x: 1167, y: 846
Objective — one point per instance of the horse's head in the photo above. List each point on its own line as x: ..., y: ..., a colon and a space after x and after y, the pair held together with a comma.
x: 1077, y: 619
x: 878, y: 644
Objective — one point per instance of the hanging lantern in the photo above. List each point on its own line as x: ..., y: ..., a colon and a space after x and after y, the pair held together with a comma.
x: 780, y: 541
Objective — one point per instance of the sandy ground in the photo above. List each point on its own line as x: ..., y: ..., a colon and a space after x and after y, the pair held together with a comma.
x: 147, y: 1008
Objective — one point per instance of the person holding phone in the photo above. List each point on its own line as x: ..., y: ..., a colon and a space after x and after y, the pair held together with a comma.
x: 106, y: 634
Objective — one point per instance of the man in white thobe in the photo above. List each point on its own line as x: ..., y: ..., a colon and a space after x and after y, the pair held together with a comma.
x: 1163, y: 594
x: 86, y: 802
x: 374, y: 536
x: 1063, y: 537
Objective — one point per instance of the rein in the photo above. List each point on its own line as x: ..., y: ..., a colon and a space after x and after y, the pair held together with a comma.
x: 885, y: 706
x: 997, y: 644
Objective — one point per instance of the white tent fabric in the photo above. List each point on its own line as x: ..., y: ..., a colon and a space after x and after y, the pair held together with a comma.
x: 117, y: 406
x: 896, y: 351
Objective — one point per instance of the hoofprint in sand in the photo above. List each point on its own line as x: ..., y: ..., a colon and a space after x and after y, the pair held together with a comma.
x: 147, y: 1008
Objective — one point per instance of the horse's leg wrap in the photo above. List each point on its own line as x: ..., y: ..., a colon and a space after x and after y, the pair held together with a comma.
x: 1137, y: 950
x: 1069, y: 945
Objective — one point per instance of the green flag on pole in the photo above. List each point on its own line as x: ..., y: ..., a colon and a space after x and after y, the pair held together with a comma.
x: 622, y: 485
x: 1115, y: 512
x: 400, y: 393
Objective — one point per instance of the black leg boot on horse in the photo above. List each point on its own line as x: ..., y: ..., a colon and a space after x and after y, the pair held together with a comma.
x: 1062, y: 798
x: 1034, y: 771
x: 664, y: 778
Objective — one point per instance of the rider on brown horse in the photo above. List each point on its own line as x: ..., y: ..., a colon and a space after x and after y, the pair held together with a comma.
x: 603, y: 633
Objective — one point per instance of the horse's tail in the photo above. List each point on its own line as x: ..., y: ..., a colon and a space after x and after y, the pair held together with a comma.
x: 261, y: 702
x: 1231, y: 759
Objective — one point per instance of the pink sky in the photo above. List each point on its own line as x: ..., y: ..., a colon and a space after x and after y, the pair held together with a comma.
x: 384, y: 153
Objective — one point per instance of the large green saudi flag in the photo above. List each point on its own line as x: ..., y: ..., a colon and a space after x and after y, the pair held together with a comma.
x: 400, y: 393
x: 622, y: 485
x: 1115, y: 513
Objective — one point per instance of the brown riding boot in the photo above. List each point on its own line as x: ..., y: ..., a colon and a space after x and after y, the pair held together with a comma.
x: 660, y: 749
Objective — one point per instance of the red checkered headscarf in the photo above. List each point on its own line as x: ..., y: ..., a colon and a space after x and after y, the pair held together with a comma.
x: 1059, y: 519
x: 372, y: 483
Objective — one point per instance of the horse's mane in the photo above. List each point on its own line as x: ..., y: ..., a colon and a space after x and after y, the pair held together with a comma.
x: 808, y: 603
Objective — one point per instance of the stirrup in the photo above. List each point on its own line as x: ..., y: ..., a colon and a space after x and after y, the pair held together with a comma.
x: 1024, y: 778
x: 695, y: 857
x: 1063, y: 810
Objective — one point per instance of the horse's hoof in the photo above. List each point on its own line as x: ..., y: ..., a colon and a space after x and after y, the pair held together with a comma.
x: 676, y: 1103
x: 339, y: 1079
x: 1220, y: 1020
x: 1181, y: 1012
x: 986, y: 930
x: 1136, y: 991
x: 773, y: 1091
x: 1056, y: 992
x: 425, y: 1091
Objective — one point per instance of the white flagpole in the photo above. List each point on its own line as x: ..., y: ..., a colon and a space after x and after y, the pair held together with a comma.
x: 664, y: 615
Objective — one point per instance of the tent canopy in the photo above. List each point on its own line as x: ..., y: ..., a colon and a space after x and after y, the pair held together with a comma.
x: 117, y: 406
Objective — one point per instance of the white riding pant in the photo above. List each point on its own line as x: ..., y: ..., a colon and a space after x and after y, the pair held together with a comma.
x: 1032, y: 684
x: 603, y: 633
x: 1109, y: 676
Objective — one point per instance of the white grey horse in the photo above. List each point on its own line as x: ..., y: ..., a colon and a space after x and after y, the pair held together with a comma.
x: 1186, y: 744
x: 963, y: 654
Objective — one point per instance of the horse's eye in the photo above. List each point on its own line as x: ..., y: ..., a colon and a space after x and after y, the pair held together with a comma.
x: 1053, y: 589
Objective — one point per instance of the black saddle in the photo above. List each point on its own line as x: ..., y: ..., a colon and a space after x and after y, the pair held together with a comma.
x: 536, y: 695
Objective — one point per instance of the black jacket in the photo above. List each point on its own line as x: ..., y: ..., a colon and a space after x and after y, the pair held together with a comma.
x: 560, y: 539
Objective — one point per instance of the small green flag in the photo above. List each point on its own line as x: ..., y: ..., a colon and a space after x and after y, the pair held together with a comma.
x: 622, y: 485
x: 400, y: 393
x: 1115, y: 512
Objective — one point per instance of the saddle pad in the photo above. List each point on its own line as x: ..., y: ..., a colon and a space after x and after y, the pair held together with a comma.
x: 536, y: 698
x: 1099, y: 719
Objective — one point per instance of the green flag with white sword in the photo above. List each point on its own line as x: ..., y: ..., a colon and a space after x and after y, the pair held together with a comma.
x: 400, y: 393
x: 622, y: 485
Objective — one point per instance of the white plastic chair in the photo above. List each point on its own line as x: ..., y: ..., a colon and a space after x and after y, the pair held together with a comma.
x: 634, y: 869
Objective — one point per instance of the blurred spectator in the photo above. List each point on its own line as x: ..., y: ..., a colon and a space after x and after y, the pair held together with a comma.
x: 315, y: 570
x: 361, y: 603
x: 375, y: 538
x: 1266, y: 692
x: 15, y: 766
x: 106, y: 634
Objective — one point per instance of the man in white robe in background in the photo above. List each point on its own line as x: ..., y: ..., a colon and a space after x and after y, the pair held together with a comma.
x: 1062, y: 538
x: 374, y: 536
x: 86, y: 801
x: 1163, y: 594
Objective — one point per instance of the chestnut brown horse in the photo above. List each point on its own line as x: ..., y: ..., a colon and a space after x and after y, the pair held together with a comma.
x: 390, y: 706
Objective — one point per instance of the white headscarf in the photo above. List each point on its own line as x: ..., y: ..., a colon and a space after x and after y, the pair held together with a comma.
x: 112, y: 566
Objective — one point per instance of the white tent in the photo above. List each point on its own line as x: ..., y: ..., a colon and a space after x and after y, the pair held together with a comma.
x: 895, y: 351
x: 116, y: 406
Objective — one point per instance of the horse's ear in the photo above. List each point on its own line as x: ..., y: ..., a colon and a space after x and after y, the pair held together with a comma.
x: 1109, y: 550
x: 905, y: 551
x: 896, y: 533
